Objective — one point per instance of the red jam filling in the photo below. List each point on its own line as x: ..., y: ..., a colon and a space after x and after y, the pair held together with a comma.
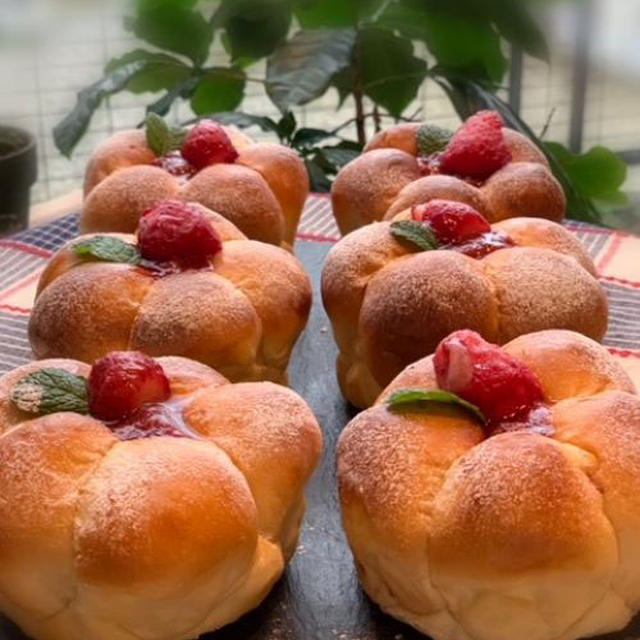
x: 177, y: 166
x: 152, y: 420
x: 459, y: 227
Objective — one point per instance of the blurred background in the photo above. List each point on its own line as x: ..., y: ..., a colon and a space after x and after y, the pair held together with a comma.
x: 570, y: 71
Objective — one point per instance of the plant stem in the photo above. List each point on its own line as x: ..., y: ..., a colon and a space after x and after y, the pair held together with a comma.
x: 358, y: 93
x: 376, y: 118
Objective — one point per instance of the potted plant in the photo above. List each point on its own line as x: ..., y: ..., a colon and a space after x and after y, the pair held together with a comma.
x: 18, y: 171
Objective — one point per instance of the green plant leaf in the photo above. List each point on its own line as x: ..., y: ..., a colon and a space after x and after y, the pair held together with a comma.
x: 417, y: 398
x: 175, y: 27
x: 162, y: 138
x: 318, y: 180
x: 460, y: 35
x: 332, y: 14
x: 73, y: 126
x: 254, y: 28
x: 286, y: 125
x: 391, y: 73
x: 160, y: 72
x: 107, y: 249
x: 340, y: 154
x: 515, y: 23
x: 431, y: 138
x: 183, y: 89
x: 302, y: 68
x: 414, y: 232
x: 51, y: 390
x: 306, y: 137
x: 599, y: 173
x: 219, y: 89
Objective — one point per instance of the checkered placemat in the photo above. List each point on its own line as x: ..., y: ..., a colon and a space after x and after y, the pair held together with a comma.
x: 23, y: 256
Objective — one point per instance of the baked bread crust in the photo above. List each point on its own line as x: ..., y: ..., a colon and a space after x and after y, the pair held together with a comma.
x: 159, y: 537
x: 262, y: 193
x: 385, y: 180
x: 512, y: 536
x: 241, y: 317
x: 390, y: 306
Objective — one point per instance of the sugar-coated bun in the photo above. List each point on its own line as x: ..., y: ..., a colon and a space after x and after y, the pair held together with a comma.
x: 518, y: 535
x: 156, y: 538
x: 390, y: 306
x: 524, y: 189
x: 366, y: 187
x: 242, y: 316
x: 383, y: 181
x: 263, y: 193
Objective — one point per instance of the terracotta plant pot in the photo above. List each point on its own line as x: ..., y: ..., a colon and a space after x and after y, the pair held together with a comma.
x: 18, y: 171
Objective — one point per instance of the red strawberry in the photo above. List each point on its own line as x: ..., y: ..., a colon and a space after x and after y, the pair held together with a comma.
x: 174, y: 230
x: 451, y: 222
x: 123, y: 381
x: 147, y: 421
x: 477, y: 149
x: 485, y: 375
x: 208, y: 143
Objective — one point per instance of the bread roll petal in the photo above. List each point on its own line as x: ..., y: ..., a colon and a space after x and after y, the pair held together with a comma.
x: 569, y: 365
x: 523, y: 189
x: 519, y: 545
x: 390, y: 467
x: 279, y: 290
x: 43, y: 464
x: 164, y: 523
x: 117, y: 203
x: 199, y: 315
x: 607, y: 426
x: 398, y: 136
x: 122, y: 149
x: 89, y: 312
x: 540, y: 288
x: 242, y: 196
x: 538, y: 232
x: 365, y: 188
x: 414, y: 302
x: 287, y: 177
x: 522, y: 149
x: 187, y: 376
x: 271, y: 436
x: 436, y: 187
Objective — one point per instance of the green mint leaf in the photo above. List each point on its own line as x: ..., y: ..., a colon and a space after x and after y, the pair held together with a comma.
x: 416, y: 233
x: 161, y: 138
x: 51, y: 390
x: 108, y: 249
x: 418, y: 396
x: 431, y: 138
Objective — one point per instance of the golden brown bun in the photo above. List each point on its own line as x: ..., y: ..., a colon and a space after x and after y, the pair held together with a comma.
x: 390, y: 306
x: 263, y: 194
x: 242, y: 317
x: 512, y: 536
x: 365, y: 188
x: 155, y: 538
x: 383, y: 181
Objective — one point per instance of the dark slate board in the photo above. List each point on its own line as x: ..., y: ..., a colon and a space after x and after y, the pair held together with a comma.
x: 319, y: 597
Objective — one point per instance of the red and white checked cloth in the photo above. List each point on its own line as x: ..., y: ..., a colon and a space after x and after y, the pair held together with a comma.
x: 23, y: 256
